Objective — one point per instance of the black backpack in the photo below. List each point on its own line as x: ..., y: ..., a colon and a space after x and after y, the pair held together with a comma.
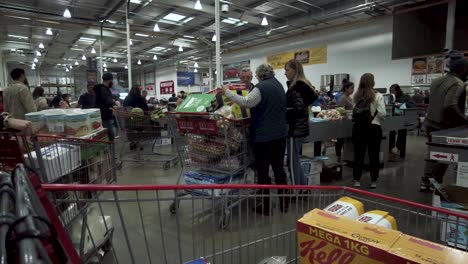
x: 362, y: 113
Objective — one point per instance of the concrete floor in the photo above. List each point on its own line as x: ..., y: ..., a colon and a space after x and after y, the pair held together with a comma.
x: 157, y: 236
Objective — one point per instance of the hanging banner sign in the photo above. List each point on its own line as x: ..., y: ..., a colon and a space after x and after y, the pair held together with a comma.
x: 306, y: 57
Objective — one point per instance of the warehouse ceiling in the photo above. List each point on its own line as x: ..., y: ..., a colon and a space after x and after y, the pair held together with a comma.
x: 25, y: 24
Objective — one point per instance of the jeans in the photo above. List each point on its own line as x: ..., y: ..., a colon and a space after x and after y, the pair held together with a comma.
x: 110, y: 126
x: 433, y: 169
x: 294, y: 146
x: 366, y: 138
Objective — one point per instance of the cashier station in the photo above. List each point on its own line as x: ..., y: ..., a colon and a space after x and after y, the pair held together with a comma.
x: 453, y: 142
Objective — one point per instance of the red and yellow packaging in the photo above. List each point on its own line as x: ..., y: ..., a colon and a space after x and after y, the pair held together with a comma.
x: 328, y: 238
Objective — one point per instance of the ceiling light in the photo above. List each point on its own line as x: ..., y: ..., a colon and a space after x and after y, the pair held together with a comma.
x: 187, y: 19
x: 71, y: 67
x: 213, y: 38
x: 195, y: 70
x: 76, y: 63
x: 126, y: 67
x: 36, y: 60
x: 83, y: 58
x: 18, y: 37
x: 41, y: 45
x: 66, y: 69
x: 195, y: 65
x: 231, y: 20
x: 181, y: 49
x: 89, y: 40
x: 156, y: 28
x: 105, y: 69
x: 14, y: 50
x: 67, y: 13
x: 49, y: 32
x: 111, y: 21
x: 104, y: 65
x: 34, y: 64
x: 264, y: 22
x: 141, y: 35
x: 135, y: 1
x: 216, y: 72
x: 93, y: 50
x: 131, y: 42
x: 198, y: 5
x: 174, y: 17
x: 38, y: 53
x: 155, y: 57
x: 158, y: 48
x: 139, y: 62
x: 33, y: 67
x: 115, y: 60
x: 190, y: 37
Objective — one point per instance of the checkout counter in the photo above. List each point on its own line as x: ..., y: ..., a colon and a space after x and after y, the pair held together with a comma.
x: 449, y: 146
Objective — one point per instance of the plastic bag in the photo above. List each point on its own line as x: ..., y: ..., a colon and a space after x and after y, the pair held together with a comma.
x: 274, y: 260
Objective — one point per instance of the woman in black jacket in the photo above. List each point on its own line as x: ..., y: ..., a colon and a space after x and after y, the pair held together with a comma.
x: 399, y: 147
x: 135, y: 100
x: 300, y: 96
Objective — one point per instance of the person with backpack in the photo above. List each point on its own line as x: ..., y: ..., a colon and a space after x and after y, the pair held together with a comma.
x: 368, y: 114
x: 300, y: 96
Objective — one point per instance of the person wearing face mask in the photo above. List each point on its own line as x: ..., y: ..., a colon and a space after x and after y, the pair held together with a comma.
x: 446, y: 110
x: 105, y: 103
x: 17, y: 98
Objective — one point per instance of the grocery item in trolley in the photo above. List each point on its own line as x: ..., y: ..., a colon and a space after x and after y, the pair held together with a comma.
x: 346, y: 206
x: 77, y: 123
x: 37, y: 122
x: 55, y: 120
x: 380, y: 218
x: 203, y: 177
x: 58, y: 160
x: 94, y: 118
x: 198, y: 103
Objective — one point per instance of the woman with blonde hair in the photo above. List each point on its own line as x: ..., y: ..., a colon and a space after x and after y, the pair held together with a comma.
x: 300, y: 96
x: 368, y: 114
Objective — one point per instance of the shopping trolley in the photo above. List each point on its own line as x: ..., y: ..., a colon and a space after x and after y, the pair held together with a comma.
x: 138, y: 127
x: 146, y: 232
x: 13, y: 147
x: 212, y: 149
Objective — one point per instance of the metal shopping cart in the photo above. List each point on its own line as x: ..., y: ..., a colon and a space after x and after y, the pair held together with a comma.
x: 212, y: 149
x: 146, y: 232
x: 139, y: 127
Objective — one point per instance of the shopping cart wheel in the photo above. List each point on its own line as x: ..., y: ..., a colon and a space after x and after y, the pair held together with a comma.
x: 225, y: 220
x: 173, y: 208
x: 167, y: 166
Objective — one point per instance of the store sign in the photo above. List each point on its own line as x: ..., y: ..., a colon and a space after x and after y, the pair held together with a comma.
x: 233, y: 70
x: 149, y: 88
x: 457, y: 141
x: 307, y: 57
x: 185, y: 78
x: 425, y: 70
x: 166, y: 87
x: 442, y: 156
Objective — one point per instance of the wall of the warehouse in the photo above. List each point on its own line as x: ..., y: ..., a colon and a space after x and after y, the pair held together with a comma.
x: 165, y: 74
x: 355, y: 49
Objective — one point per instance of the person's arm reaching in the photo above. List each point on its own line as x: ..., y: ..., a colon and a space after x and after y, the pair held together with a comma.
x: 250, y: 101
x: 451, y: 110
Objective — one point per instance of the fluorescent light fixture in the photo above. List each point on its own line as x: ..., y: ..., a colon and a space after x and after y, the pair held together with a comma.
x: 83, y: 58
x: 231, y: 20
x: 115, y: 60
x: 196, y: 65
x: 93, y: 51
x: 139, y: 62
x: 126, y: 67
x: 18, y: 37
x: 38, y: 53
x: 67, y: 13
x: 187, y: 19
x: 89, y: 40
x: 41, y: 45
x: 13, y: 50
x: 158, y: 48
x: 111, y: 21
x: 174, y: 17
x: 198, y: 5
x: 104, y: 65
x: 49, y: 32
x: 135, y: 1
x: 181, y: 49
x: 216, y: 72
x: 36, y: 60
x: 190, y: 37
x: 77, y: 49
x: 156, y: 28
x: 264, y: 22
x: 141, y: 35
x: 34, y: 64
x: 131, y: 42
x: 76, y: 63
x: 105, y: 69
x: 66, y: 69
x: 213, y: 38
x: 71, y: 67
x: 155, y: 57
x: 195, y: 70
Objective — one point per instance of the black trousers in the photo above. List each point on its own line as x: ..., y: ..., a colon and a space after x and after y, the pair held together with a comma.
x: 399, y: 143
x: 339, y: 146
x: 367, y: 138
x: 270, y: 153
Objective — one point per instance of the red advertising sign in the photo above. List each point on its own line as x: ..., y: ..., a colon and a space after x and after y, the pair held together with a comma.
x: 166, y: 87
x: 149, y: 88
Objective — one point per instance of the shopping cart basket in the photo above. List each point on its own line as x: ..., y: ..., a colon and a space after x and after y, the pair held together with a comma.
x: 212, y: 149
x: 146, y: 232
x: 139, y: 127
x: 13, y: 147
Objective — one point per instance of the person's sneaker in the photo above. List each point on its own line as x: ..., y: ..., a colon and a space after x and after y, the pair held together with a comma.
x: 373, y: 185
x: 356, y: 184
x: 395, y: 151
x: 425, y: 187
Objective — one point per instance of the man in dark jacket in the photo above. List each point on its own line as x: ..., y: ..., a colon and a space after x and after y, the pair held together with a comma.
x: 267, y: 103
x: 446, y: 110
x: 105, y: 103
